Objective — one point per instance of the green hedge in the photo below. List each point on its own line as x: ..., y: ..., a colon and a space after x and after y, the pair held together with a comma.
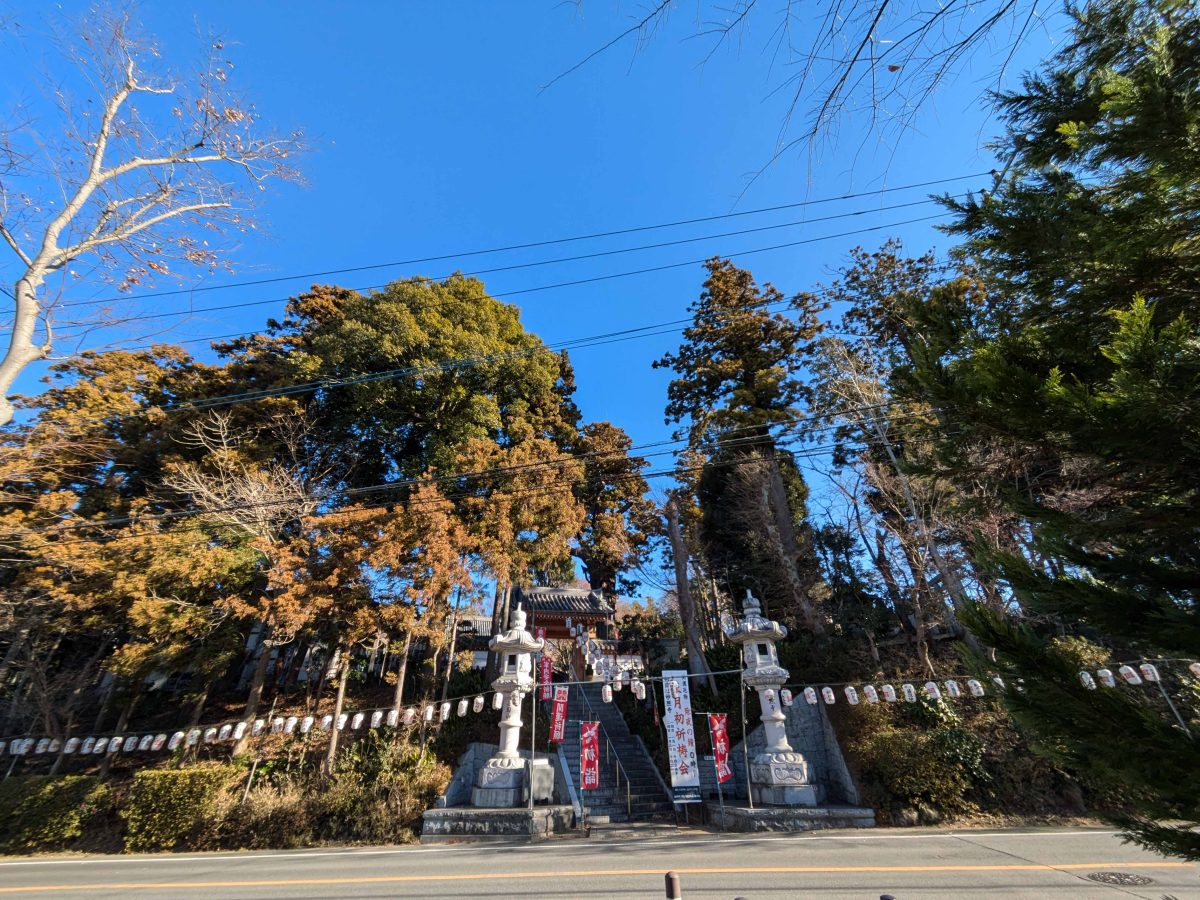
x: 165, y: 806
x: 38, y: 812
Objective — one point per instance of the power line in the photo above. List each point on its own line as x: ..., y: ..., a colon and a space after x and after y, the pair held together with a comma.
x: 497, y: 471
x: 535, y: 244
x: 563, y: 284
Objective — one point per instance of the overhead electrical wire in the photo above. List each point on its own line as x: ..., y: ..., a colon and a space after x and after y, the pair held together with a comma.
x: 535, y: 244
x: 793, y: 428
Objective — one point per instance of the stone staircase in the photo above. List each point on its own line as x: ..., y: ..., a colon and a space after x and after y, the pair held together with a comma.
x: 612, y: 802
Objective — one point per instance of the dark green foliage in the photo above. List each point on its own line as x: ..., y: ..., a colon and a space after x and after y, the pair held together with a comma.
x: 42, y: 813
x: 166, y: 805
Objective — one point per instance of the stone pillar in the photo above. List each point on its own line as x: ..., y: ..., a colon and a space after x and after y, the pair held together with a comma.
x: 501, y: 781
x: 778, y: 775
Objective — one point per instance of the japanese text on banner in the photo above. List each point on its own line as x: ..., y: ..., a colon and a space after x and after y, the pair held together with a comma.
x: 681, y: 737
x: 589, y: 755
x: 719, y: 732
x: 558, y: 721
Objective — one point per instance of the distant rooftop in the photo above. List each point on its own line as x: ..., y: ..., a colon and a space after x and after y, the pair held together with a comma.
x: 564, y: 601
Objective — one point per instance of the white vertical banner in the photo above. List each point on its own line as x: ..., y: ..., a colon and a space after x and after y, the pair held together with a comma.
x: 681, y: 737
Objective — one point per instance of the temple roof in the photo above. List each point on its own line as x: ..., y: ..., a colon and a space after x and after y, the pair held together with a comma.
x: 564, y: 601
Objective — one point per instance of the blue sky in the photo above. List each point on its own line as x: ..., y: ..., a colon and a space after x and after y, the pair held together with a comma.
x: 430, y: 136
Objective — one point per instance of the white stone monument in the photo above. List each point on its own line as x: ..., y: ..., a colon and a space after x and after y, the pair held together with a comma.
x: 501, y: 781
x: 778, y: 775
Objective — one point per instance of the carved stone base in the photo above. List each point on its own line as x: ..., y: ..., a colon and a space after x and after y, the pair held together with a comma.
x: 781, y: 779
x: 499, y: 784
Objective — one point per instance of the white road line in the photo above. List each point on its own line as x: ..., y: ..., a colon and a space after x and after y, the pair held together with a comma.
x: 544, y: 848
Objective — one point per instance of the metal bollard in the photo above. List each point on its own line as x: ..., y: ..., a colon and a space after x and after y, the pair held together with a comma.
x: 673, y: 890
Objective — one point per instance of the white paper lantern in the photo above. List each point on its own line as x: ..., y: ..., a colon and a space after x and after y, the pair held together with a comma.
x: 326, y: 721
x: 910, y: 693
x: 639, y: 691
x: 289, y: 726
x: 239, y: 731
x: 225, y: 733
x: 277, y: 725
x: 160, y: 741
x: 889, y: 693
x: 393, y: 718
x: 870, y: 693
x: 427, y: 716
x: 1194, y: 668
x: 131, y: 743
x: 342, y: 720
x: 810, y: 696
x: 477, y: 703
x: 570, y: 625
x: 932, y: 691
x: 193, y: 737
x: 114, y: 744
x: 1106, y: 678
x: 785, y: 697
x: 377, y: 718
x: 851, y: 695
x: 998, y: 682
x: 1149, y: 672
x: 356, y: 721
x: 173, y: 743
x: 828, y: 696
x: 306, y: 724
x: 3, y: 747
x: 444, y: 712
x: 210, y: 735
x: 41, y: 746
x: 616, y: 684
x: 953, y: 690
x: 497, y: 700
x: 145, y: 742
x: 606, y: 693
x: 1086, y: 679
x: 71, y: 746
x: 974, y: 687
x: 1129, y: 673
x: 462, y: 708
x: 87, y: 745
x: 410, y: 716
x: 259, y: 726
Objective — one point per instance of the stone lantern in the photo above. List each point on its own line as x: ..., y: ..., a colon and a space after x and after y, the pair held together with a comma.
x: 778, y: 775
x: 501, y: 780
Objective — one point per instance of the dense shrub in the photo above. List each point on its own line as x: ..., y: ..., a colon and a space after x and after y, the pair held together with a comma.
x: 269, y: 818
x: 44, y: 813
x: 166, y: 805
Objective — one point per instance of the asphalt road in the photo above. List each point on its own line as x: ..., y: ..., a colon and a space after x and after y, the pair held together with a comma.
x: 911, y: 865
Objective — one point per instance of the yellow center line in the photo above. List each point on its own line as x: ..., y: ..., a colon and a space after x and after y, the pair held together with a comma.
x: 580, y: 873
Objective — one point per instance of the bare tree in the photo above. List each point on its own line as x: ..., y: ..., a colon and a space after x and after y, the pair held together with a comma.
x: 878, y: 61
x: 145, y: 174
x: 260, y: 500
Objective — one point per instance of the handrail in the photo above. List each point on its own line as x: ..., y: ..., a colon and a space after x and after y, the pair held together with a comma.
x: 610, y: 752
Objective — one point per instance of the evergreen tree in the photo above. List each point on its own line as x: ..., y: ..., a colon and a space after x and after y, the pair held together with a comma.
x: 1081, y: 364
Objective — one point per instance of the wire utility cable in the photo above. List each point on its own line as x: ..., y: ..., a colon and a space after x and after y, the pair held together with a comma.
x: 543, y: 243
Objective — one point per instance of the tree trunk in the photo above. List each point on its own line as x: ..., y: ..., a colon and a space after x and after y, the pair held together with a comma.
x: 21, y: 349
x: 402, y: 672
x: 343, y: 675
x: 697, y: 664
x: 257, y: 680
x: 453, y: 645
x: 10, y: 655
x: 122, y: 724
x: 789, y: 547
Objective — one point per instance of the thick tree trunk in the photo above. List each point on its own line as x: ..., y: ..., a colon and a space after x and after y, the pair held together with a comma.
x: 21, y: 349
x: 343, y: 675
x: 697, y: 664
x: 257, y: 680
x: 789, y: 548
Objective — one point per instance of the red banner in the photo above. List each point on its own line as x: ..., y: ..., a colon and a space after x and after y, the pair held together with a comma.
x: 589, y: 755
x: 545, y: 667
x: 558, y: 721
x: 720, y: 743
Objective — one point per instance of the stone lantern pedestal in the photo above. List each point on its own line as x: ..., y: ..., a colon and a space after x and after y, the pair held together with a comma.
x: 501, y: 782
x: 779, y: 776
